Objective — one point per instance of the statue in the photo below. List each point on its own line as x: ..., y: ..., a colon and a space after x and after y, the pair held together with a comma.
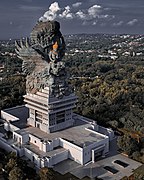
x: 42, y: 59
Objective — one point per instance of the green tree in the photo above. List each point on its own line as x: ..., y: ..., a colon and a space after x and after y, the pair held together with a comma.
x: 16, y: 174
x: 128, y: 144
x: 11, y: 164
x: 46, y: 173
x: 136, y: 155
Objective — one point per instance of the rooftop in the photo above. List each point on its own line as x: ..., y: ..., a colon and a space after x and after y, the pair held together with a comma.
x: 78, y: 134
x: 20, y: 112
x: 36, y: 150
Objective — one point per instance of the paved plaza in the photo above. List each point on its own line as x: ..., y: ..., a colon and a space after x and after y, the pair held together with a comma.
x: 97, y: 169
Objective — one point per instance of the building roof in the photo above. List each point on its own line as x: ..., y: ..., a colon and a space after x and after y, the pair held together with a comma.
x: 40, y: 153
x: 78, y: 134
x: 20, y: 112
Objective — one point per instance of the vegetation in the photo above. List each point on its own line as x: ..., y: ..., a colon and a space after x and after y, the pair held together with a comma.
x: 114, y: 97
x: 16, y: 173
x: 110, y: 91
x: 15, y: 168
x: 12, y: 82
x: 12, y: 89
x: 132, y: 147
x: 46, y: 174
x: 138, y: 174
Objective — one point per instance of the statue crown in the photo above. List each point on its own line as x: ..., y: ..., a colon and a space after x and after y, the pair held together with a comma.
x: 55, y: 46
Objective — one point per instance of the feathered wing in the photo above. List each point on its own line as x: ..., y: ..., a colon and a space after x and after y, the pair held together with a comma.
x: 33, y: 61
x: 41, y: 55
x: 35, y: 67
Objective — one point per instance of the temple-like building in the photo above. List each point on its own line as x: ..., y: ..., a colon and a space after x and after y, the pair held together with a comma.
x: 45, y: 129
x: 50, y: 114
x: 48, y: 133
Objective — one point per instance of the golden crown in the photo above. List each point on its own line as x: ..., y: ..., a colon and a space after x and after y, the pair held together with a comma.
x: 55, y: 46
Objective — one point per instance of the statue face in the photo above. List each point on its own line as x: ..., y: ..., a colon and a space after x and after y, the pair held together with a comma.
x: 47, y: 40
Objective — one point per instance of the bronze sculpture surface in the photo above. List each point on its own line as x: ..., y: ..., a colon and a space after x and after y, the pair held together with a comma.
x: 42, y: 59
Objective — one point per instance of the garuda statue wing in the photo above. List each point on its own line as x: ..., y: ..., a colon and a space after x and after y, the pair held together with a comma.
x: 42, y: 55
x: 32, y: 60
x: 46, y: 44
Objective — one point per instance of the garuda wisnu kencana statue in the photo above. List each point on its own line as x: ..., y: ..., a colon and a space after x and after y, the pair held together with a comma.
x: 42, y: 59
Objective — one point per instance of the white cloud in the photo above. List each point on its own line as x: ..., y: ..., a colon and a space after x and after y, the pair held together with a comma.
x: 69, y: 16
x: 94, y: 11
x: 51, y: 14
x: 132, y: 22
x: 67, y: 13
x: 94, y: 23
x: 118, y: 23
x: 75, y: 5
x: 106, y: 16
x: 103, y: 16
x: 54, y: 7
x: 81, y: 15
x: 88, y: 16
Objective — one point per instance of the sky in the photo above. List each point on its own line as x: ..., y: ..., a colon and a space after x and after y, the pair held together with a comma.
x: 18, y: 17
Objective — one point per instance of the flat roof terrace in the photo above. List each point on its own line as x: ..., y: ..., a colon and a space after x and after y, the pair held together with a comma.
x: 21, y: 112
x: 78, y: 135
x: 42, y: 154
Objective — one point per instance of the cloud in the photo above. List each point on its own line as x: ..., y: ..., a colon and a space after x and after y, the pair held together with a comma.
x: 88, y: 16
x: 69, y: 16
x: 94, y: 11
x: 81, y: 15
x: 118, y: 23
x: 94, y: 23
x: 51, y: 14
x: 75, y: 5
x: 54, y: 7
x: 132, y: 22
x: 67, y: 13
x: 106, y: 16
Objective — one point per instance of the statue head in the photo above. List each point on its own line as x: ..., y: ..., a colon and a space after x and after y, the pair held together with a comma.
x: 42, y: 56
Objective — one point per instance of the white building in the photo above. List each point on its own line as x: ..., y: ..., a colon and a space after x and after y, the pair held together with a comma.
x: 49, y: 113
x: 47, y: 131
